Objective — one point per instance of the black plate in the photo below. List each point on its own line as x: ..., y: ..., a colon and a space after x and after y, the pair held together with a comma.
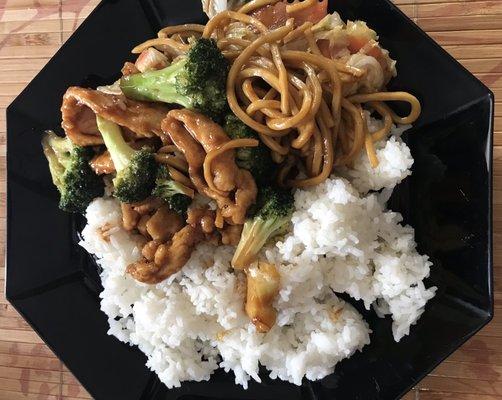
x: 53, y: 283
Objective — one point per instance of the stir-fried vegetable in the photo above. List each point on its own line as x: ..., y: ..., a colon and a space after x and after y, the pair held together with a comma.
x: 213, y: 7
x: 263, y: 281
x: 276, y: 15
x: 256, y: 160
x: 359, y: 34
x: 76, y: 182
x: 172, y: 192
x: 195, y: 82
x: 136, y: 169
x: 151, y: 60
x: 274, y: 215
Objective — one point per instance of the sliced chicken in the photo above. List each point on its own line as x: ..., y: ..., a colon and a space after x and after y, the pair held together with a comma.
x: 147, y: 206
x: 141, y: 226
x: 130, y: 217
x: 245, y: 195
x: 129, y: 68
x: 194, y: 153
x: 102, y: 164
x: 231, y: 234
x: 203, y: 217
x: 151, y: 60
x: 80, y: 107
x: 150, y: 248
x: 164, y: 224
x: 169, y: 257
x: 263, y: 282
x: 194, y: 135
x: 211, y: 136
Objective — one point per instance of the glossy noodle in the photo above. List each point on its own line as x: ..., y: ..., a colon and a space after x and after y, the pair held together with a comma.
x: 295, y: 99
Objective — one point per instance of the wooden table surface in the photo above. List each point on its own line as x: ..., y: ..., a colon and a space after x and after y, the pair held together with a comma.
x: 31, y: 31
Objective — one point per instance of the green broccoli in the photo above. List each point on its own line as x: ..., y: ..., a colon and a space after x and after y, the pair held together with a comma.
x: 197, y: 81
x: 76, y: 182
x: 172, y: 192
x: 136, y: 169
x: 275, y: 207
x: 256, y: 160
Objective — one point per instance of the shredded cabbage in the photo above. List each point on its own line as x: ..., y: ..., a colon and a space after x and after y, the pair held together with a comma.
x: 213, y: 7
x: 374, y: 78
x: 361, y: 29
x: 329, y: 22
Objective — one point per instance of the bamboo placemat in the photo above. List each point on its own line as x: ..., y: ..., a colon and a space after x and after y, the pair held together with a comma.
x: 30, y: 33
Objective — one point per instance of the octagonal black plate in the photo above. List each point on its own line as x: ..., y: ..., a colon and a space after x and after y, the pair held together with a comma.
x: 53, y: 283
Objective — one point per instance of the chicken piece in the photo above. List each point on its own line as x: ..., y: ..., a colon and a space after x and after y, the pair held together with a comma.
x: 164, y: 224
x: 185, y: 137
x: 193, y: 151
x: 176, y: 254
x: 245, y: 196
x: 169, y: 257
x: 145, y: 271
x: 151, y: 143
x: 147, y: 206
x: 80, y: 107
x: 207, y: 224
x: 150, y: 249
x: 129, y: 68
x: 263, y: 282
x: 211, y: 136
x: 272, y: 16
x: 102, y: 164
x: 142, y: 225
x: 275, y: 15
x: 194, y: 155
x: 231, y: 234
x: 203, y: 217
x: 130, y: 217
x: 151, y: 60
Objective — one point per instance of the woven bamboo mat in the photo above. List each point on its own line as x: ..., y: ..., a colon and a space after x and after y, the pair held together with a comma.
x: 30, y: 33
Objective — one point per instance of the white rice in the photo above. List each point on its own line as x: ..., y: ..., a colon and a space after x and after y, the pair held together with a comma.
x: 342, y: 240
x: 395, y: 162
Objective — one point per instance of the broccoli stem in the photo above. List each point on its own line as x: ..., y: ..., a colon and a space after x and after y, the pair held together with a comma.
x: 156, y: 85
x: 271, y: 220
x: 136, y: 169
x: 120, y: 152
x: 57, y: 166
x: 59, y: 147
x: 197, y: 82
x: 256, y: 233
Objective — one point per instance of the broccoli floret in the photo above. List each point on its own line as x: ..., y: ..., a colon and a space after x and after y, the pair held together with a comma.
x: 197, y: 81
x: 256, y: 160
x: 135, y: 169
x: 76, y: 182
x: 180, y: 203
x: 172, y: 192
x: 274, y: 214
